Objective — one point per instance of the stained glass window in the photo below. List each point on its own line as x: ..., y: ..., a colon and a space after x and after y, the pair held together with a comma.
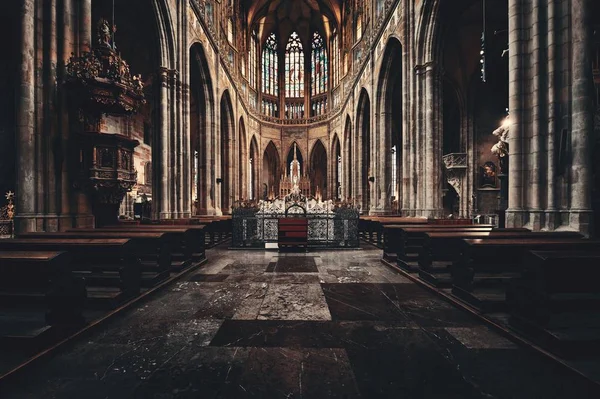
x: 335, y: 59
x: 230, y: 31
x: 319, y: 65
x: 358, y: 27
x: 294, y: 67
x: 252, y: 56
x: 270, y: 66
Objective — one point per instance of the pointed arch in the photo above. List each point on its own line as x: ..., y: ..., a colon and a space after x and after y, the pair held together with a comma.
x: 202, y: 131
x: 271, y: 171
x: 290, y: 157
x: 318, y: 168
x: 389, y: 135
x: 336, y: 160
x: 243, y: 167
x: 270, y: 66
x: 253, y: 170
x: 227, y: 142
x: 363, y: 134
x: 294, y: 67
x: 347, y: 182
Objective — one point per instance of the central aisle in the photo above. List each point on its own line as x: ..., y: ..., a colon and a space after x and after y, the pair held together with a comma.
x: 317, y: 325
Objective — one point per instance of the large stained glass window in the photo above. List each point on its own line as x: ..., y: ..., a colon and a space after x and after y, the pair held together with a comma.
x: 294, y: 67
x: 270, y: 66
x: 252, y: 59
x: 319, y: 66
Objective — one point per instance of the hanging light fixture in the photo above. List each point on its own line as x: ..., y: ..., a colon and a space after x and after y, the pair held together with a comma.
x: 482, y: 50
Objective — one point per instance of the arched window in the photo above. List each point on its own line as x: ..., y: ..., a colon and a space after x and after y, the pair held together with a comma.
x: 252, y: 59
x: 335, y: 59
x: 230, y: 30
x: 270, y: 66
x: 359, y: 27
x: 380, y: 7
x: 294, y: 67
x: 319, y: 65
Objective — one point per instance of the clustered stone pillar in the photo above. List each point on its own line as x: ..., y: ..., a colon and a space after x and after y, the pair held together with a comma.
x: 26, y: 178
x: 514, y: 213
x: 160, y: 151
x: 85, y: 25
x: 432, y: 170
x: 582, y: 118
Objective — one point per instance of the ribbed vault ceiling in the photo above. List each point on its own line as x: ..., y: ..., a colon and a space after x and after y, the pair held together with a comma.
x: 285, y: 16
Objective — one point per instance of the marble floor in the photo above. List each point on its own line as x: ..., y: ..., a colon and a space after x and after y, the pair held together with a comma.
x: 323, y: 324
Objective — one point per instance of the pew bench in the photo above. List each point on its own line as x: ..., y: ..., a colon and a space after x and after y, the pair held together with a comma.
x: 485, y: 266
x: 152, y: 248
x: 410, y: 240
x: 557, y: 299
x: 42, y: 280
x: 187, y: 244
x: 441, y: 248
x: 110, y: 267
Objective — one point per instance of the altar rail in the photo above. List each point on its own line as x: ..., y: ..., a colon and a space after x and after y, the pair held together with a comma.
x: 338, y: 229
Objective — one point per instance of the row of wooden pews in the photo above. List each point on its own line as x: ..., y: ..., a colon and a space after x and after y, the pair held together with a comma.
x: 63, y: 275
x: 545, y: 281
x: 372, y: 228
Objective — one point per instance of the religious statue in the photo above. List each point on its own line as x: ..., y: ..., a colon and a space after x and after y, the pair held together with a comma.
x: 104, y: 33
x: 500, y: 149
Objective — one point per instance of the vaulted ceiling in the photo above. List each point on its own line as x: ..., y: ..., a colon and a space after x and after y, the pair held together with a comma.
x: 286, y: 16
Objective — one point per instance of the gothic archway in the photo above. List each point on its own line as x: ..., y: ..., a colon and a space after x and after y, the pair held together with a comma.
x: 336, y: 169
x: 318, y: 170
x: 390, y: 132
x: 253, y: 180
x: 271, y: 172
x: 290, y: 157
x: 202, y: 132
x: 227, y: 143
x: 347, y: 179
x: 363, y: 131
x: 242, y: 162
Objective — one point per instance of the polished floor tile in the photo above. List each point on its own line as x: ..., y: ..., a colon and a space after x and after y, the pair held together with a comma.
x: 322, y: 324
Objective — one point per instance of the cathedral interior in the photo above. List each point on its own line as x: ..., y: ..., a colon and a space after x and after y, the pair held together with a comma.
x: 300, y: 198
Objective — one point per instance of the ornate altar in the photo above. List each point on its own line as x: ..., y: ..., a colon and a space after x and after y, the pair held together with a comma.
x: 256, y: 224
x: 7, y: 214
x: 294, y: 179
x: 99, y: 83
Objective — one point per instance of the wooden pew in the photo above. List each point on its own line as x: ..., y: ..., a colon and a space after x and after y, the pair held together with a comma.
x: 485, y: 266
x: 398, y: 238
x: 218, y: 228
x: 557, y: 299
x: 42, y: 278
x: 441, y: 248
x: 373, y: 227
x: 110, y: 267
x: 187, y: 245
x: 152, y: 248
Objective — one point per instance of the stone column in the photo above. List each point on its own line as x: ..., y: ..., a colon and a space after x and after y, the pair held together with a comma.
x: 551, y: 214
x: 160, y: 151
x: 26, y: 177
x: 537, y: 167
x: 407, y: 130
x: 384, y: 161
x: 430, y: 173
x: 514, y: 213
x: 582, y: 118
x: 85, y: 25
